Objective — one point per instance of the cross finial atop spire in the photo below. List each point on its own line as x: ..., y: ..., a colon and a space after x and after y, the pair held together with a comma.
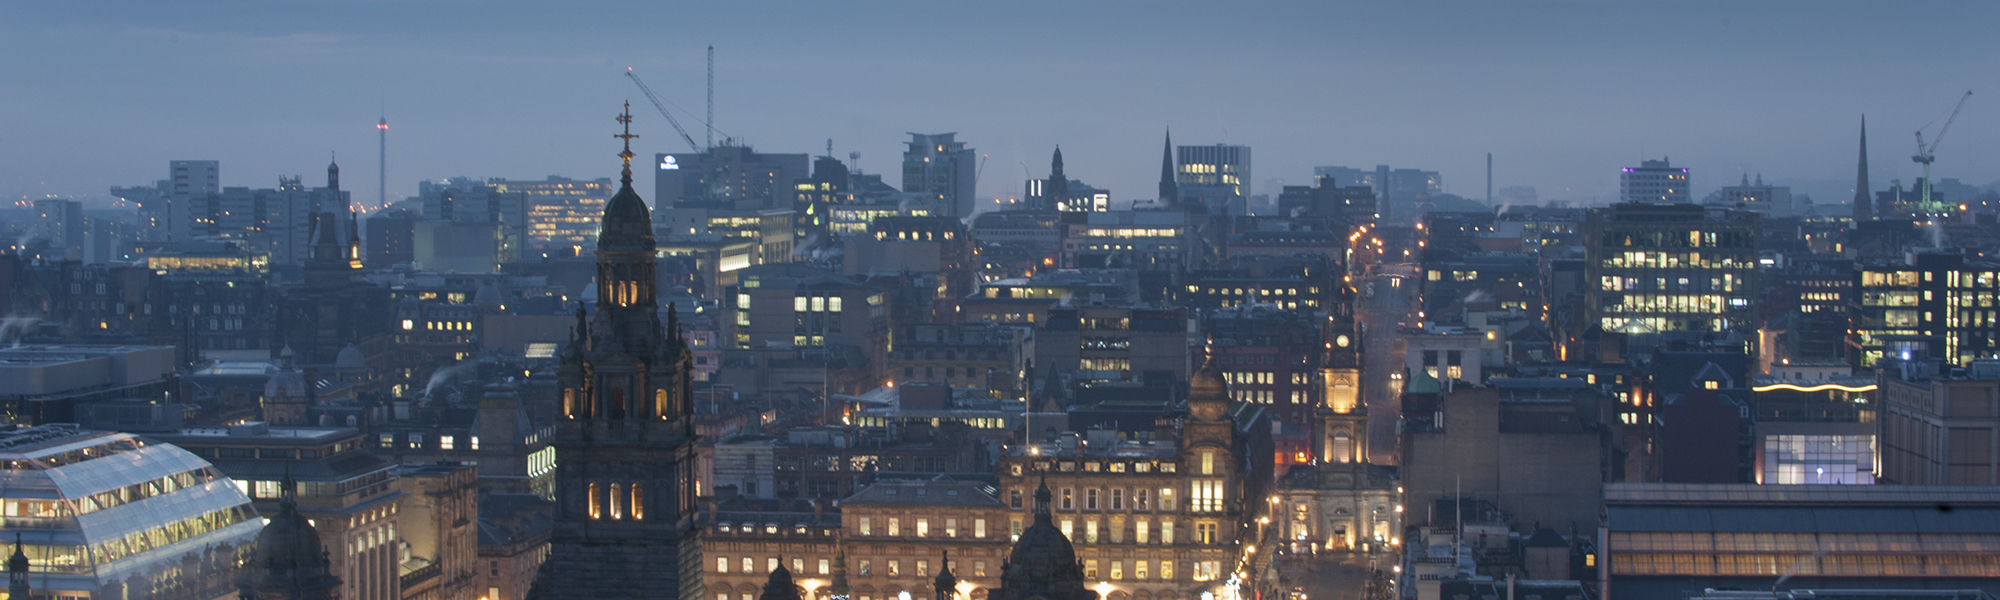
x: 625, y: 119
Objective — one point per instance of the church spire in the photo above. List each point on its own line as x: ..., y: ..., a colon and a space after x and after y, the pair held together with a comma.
x: 1861, y: 192
x: 1170, y: 191
x: 1056, y: 193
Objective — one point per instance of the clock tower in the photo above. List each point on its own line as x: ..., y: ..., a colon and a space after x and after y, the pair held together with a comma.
x: 1343, y: 416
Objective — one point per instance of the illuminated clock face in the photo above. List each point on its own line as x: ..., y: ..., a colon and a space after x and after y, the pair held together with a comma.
x: 1342, y: 341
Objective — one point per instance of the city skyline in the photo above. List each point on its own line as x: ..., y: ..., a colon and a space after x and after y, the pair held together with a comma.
x: 1549, y: 89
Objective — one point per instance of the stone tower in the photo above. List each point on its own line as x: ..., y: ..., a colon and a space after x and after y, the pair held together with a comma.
x: 625, y: 495
x: 1343, y: 416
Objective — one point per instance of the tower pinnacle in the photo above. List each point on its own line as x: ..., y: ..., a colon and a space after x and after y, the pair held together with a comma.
x: 1861, y: 193
x: 625, y: 119
x: 1169, y: 189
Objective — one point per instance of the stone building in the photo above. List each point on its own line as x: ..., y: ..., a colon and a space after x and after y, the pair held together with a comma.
x: 351, y: 498
x: 289, y: 563
x: 440, y: 542
x: 1163, y: 515
x: 513, y: 543
x: 1043, y: 563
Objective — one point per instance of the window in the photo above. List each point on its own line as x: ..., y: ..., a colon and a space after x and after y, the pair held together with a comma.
x: 950, y: 527
x: 1090, y: 568
x: 923, y: 527
x: 446, y: 442
x: 923, y: 568
x: 1139, y: 569
x: 1166, y: 569
x: 592, y: 493
x: 1167, y: 499
x: 1204, y: 533
x: 895, y: 568
x: 979, y: 528
x: 1090, y: 531
x: 617, y: 501
x: 1068, y: 499
x: 1139, y: 531
x: 1207, y: 462
x: 1205, y: 495
x: 722, y: 564
x: 978, y: 568
x: 1139, y: 500
x: 1068, y: 527
x: 1117, y: 499
x: 638, y: 502
x: 866, y: 566
x: 1117, y: 570
x: 895, y: 526
x: 1206, y: 570
x: 825, y: 566
x: 749, y: 565
x: 770, y: 564
x: 1090, y: 499
x: 1013, y: 496
x: 798, y: 565
x: 864, y: 527
x: 1166, y: 537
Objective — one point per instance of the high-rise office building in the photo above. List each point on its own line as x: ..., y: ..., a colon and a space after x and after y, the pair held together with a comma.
x: 1217, y: 177
x: 1931, y: 305
x: 1655, y: 181
x: 189, y: 179
x: 1651, y: 268
x: 728, y: 177
x: 943, y: 170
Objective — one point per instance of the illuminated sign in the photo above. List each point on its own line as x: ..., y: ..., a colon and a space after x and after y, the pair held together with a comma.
x: 1816, y: 388
x: 667, y: 163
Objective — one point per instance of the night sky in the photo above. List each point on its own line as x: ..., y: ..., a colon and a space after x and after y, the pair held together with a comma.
x: 96, y: 94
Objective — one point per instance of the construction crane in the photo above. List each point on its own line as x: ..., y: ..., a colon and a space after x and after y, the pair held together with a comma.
x: 1928, y: 154
x: 663, y: 109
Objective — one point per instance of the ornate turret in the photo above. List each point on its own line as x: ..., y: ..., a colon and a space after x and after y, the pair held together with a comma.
x: 17, y: 572
x: 1043, y: 562
x: 945, y: 585
x: 1208, y: 393
x: 289, y: 564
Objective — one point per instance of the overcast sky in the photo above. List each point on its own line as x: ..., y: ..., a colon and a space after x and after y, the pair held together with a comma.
x: 96, y: 94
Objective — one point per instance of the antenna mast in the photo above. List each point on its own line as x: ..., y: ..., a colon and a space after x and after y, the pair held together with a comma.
x: 710, y: 134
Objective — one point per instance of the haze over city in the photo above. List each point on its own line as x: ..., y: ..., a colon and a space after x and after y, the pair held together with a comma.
x: 1562, y: 93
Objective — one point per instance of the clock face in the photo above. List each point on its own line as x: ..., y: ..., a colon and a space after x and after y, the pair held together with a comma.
x: 1341, y: 341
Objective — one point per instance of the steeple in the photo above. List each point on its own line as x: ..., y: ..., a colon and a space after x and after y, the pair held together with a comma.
x: 1861, y: 190
x: 333, y: 176
x: 1057, y: 191
x: 1170, y: 191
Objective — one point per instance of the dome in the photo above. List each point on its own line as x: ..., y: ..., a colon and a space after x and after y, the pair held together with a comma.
x: 627, y: 224
x: 288, y: 382
x: 780, y: 586
x: 1208, y: 394
x: 290, y: 563
x: 488, y: 294
x: 1043, y: 561
x: 350, y: 359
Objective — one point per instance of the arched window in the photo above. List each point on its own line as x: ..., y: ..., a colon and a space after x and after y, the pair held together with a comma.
x: 638, y: 502
x: 617, y: 501
x: 569, y: 402
x: 660, y: 406
x: 1343, y: 448
x: 594, y: 511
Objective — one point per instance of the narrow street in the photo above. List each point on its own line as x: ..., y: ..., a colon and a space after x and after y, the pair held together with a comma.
x: 1382, y: 360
